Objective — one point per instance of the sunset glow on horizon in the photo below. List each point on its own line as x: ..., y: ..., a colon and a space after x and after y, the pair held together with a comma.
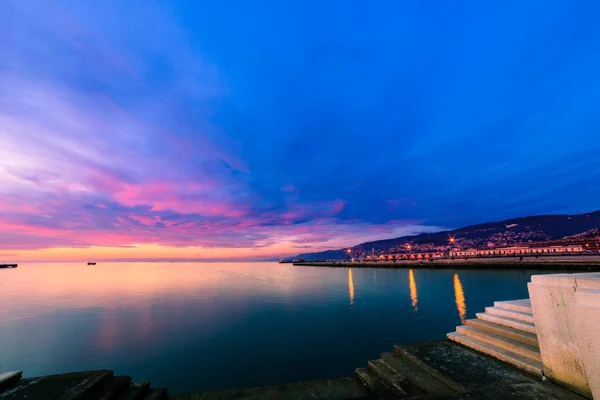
x: 144, y: 130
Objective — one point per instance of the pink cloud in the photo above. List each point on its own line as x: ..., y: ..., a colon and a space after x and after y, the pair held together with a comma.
x: 289, y: 188
x: 338, y: 205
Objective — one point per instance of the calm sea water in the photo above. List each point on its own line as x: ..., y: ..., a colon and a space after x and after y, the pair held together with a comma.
x: 204, y: 326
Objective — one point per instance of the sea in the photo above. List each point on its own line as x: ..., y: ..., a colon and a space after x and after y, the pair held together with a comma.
x: 196, y: 327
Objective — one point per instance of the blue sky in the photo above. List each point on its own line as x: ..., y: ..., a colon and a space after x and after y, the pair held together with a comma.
x: 251, y: 129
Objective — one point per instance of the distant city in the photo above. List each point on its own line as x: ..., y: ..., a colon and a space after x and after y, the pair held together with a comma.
x: 527, y: 235
x: 506, y: 243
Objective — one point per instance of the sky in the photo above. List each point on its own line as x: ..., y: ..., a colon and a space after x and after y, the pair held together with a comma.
x: 216, y: 129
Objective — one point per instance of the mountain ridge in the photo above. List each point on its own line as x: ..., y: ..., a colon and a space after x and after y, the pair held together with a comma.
x: 530, y: 229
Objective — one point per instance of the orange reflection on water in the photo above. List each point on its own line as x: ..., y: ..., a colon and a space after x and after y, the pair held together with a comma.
x: 413, y: 289
x: 460, y: 299
x: 109, y: 330
x: 350, y: 286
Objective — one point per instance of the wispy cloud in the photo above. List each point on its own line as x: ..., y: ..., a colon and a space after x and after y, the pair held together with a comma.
x: 141, y: 123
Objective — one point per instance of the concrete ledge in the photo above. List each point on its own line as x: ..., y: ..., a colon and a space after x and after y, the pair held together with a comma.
x: 516, y: 305
x: 519, y: 361
x: 560, y: 327
x: 585, y: 320
x: 518, y: 315
x: 506, y: 331
x: 515, y: 346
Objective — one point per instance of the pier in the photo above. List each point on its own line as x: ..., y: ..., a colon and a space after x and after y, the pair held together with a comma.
x: 589, y: 263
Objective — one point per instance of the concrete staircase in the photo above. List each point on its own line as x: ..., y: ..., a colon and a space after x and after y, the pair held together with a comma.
x: 89, y: 385
x: 395, y: 375
x: 448, y: 370
x: 505, y: 331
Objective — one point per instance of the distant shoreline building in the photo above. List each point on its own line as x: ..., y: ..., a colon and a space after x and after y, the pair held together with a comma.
x: 507, y: 251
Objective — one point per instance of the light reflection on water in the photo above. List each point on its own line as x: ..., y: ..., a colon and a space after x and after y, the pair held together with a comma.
x: 234, y: 324
x: 350, y: 286
x: 413, y: 290
x: 459, y: 294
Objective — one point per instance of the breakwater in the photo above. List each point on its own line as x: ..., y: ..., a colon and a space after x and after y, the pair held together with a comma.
x: 590, y: 263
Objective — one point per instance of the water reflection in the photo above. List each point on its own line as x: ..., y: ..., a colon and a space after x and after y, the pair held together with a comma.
x: 413, y: 289
x: 137, y: 317
x: 350, y: 286
x: 459, y: 294
x: 109, y: 330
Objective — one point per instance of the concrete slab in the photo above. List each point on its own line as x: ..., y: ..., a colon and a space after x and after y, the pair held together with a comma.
x: 157, y: 394
x: 588, y: 281
x: 510, y: 322
x: 554, y: 279
x: 370, y: 380
x: 58, y: 387
x: 466, y: 368
x: 520, y: 391
x: 552, y: 297
x: 9, y: 379
x: 506, y: 331
x: 136, y: 391
x: 389, y: 378
x: 518, y: 315
x: 523, y: 363
x: 417, y: 381
x: 585, y: 321
x: 334, y: 389
x: 523, y: 305
x: 503, y: 342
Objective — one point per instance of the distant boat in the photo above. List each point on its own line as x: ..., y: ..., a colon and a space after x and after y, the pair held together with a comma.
x: 91, y: 263
x: 9, y: 265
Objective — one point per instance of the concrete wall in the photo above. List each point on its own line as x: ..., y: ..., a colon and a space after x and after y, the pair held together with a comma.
x: 563, y: 327
x: 586, y: 323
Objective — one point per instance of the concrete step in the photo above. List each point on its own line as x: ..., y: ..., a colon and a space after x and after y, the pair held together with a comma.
x: 515, y: 305
x: 156, y: 394
x: 136, y: 391
x: 517, y: 360
x: 502, y: 342
x: 71, y: 386
x: 504, y: 321
x: 506, y: 331
x: 114, y: 389
x: 370, y: 380
x: 417, y: 381
x: 404, y: 353
x: 518, y: 315
x: 89, y: 387
x: 389, y: 378
x: 9, y: 379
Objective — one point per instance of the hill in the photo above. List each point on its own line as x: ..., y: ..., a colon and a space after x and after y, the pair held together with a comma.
x: 531, y: 229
